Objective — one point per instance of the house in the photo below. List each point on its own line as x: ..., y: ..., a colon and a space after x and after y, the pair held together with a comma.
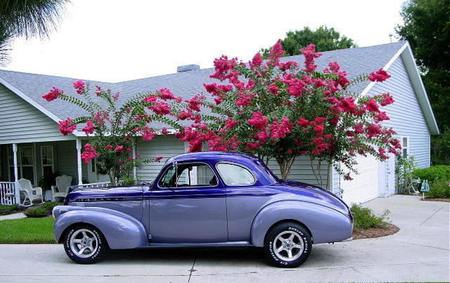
x: 31, y: 145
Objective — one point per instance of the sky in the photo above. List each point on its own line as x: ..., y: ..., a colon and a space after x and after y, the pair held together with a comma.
x: 113, y: 40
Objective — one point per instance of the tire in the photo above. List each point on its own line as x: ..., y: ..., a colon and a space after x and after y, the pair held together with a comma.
x: 87, y: 237
x: 287, y: 245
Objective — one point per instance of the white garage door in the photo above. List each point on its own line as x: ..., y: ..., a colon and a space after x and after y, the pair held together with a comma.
x: 365, y: 185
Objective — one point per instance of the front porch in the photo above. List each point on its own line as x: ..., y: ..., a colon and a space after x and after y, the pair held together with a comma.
x: 41, y: 162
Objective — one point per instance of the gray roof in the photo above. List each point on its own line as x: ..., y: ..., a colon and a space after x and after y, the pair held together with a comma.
x: 354, y: 61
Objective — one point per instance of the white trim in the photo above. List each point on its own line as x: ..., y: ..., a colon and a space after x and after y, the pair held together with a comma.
x: 416, y: 81
x: 79, y: 163
x: 421, y: 93
x: 389, y: 64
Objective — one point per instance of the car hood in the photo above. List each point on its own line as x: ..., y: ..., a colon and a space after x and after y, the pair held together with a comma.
x: 80, y: 194
x: 313, y: 194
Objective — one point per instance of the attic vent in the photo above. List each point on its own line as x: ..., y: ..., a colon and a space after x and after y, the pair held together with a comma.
x: 188, y: 68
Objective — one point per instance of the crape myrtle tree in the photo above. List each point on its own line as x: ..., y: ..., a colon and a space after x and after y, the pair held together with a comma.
x: 279, y: 110
x: 111, y: 126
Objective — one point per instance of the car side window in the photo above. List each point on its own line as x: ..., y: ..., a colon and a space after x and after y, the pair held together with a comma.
x: 235, y: 175
x: 186, y: 175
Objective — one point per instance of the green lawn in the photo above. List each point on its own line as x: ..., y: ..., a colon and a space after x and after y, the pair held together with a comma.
x: 27, y: 231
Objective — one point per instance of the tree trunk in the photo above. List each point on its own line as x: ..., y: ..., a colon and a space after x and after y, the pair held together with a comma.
x: 285, y: 165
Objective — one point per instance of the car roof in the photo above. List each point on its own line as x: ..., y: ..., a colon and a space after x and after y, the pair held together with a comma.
x: 212, y: 155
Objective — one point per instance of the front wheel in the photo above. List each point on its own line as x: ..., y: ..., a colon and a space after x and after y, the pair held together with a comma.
x: 287, y: 245
x: 85, y: 244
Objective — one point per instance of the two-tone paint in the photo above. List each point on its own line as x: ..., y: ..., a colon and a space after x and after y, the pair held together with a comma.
x: 150, y: 216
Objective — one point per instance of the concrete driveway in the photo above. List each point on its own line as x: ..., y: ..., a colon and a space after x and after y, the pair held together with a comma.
x: 419, y: 252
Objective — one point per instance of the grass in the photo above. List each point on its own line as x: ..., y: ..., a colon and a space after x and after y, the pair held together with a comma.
x: 365, y: 219
x: 27, y: 231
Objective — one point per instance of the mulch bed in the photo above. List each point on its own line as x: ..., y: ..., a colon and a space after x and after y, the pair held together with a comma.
x: 375, y: 232
x: 437, y: 199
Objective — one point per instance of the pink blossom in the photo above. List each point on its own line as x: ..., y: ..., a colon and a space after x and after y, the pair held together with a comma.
x: 164, y: 131
x: 195, y: 102
x: 253, y: 145
x: 262, y: 136
x: 296, y: 87
x: 348, y: 104
x: 381, y: 116
x: 160, y: 108
x: 119, y: 148
x: 147, y: 134
x: 372, y: 105
x: 89, y: 128
x: 158, y: 158
x: 257, y: 60
x: 287, y: 65
x: 279, y: 130
x: 303, y: 122
x: 273, y: 89
x: 275, y: 53
x: 66, y: 126
x: 244, y: 99
x: 379, y: 76
x: 310, y: 54
x: 373, y: 130
x: 89, y: 153
x: 223, y: 68
x: 109, y: 147
x: 53, y: 94
x: 386, y: 99
x: 166, y: 94
x: 150, y: 99
x: 79, y: 86
x: 230, y: 123
x: 258, y: 120
x: 183, y: 115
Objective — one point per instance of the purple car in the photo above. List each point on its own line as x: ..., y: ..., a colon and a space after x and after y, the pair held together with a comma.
x: 207, y: 199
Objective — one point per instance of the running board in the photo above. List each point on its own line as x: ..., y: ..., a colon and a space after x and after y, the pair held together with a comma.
x: 199, y: 245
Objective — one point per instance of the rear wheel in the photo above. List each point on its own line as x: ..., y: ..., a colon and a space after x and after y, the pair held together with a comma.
x: 85, y: 244
x: 287, y: 245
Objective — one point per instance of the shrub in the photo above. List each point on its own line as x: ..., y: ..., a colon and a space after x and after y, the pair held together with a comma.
x: 36, y: 211
x: 433, y: 173
x: 8, y: 209
x: 50, y: 205
x: 364, y: 218
x: 439, y: 189
x: 41, y: 210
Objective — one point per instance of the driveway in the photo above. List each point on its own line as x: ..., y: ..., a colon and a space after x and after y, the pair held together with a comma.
x: 419, y: 252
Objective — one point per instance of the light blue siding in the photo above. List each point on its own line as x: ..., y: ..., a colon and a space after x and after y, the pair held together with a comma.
x: 20, y: 122
x: 166, y: 147
x: 406, y: 115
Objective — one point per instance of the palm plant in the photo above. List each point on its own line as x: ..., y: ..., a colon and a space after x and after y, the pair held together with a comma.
x: 27, y: 18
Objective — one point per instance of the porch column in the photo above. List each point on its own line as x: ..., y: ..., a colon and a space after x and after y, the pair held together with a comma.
x: 134, y: 161
x: 16, y: 174
x: 79, y: 164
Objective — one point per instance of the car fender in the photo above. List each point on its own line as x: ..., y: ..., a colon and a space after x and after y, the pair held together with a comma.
x: 120, y: 230
x: 325, y: 224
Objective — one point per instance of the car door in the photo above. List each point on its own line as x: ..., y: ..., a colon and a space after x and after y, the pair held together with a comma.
x: 187, y: 205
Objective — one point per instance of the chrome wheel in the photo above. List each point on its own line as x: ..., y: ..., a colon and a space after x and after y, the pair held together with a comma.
x: 288, y: 245
x: 84, y: 243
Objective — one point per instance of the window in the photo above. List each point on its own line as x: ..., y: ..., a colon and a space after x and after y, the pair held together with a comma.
x: 188, y: 175
x: 405, y: 146
x: 47, y: 160
x: 235, y: 175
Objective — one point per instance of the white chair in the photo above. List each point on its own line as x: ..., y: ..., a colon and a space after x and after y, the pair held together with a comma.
x: 62, y: 186
x: 31, y: 194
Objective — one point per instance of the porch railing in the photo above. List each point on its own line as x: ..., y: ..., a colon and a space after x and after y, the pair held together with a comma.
x: 8, y: 193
